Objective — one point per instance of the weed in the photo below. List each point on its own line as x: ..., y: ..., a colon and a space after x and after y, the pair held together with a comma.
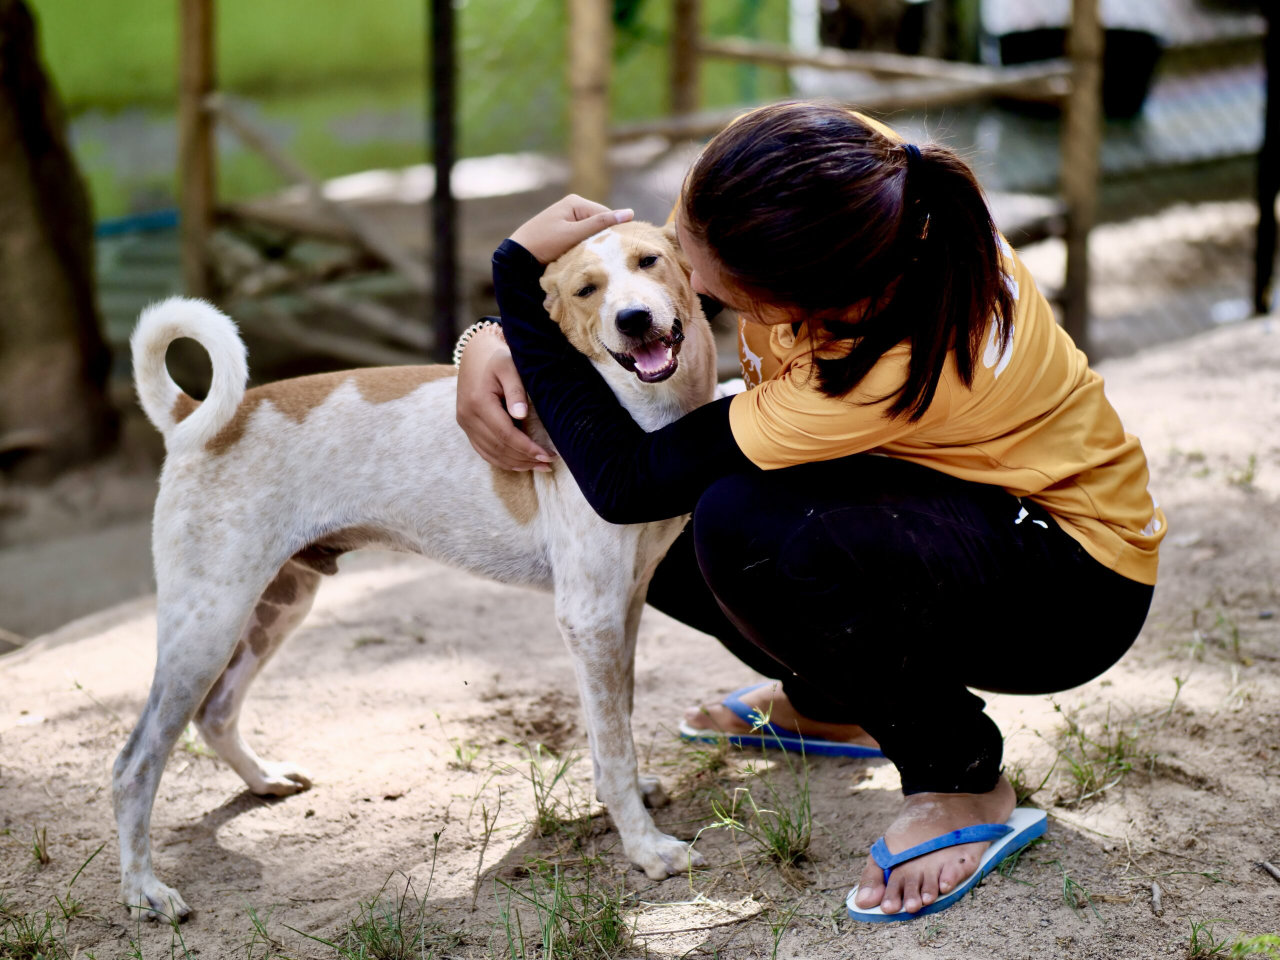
x: 40, y: 846
x: 929, y: 931
x: 261, y: 945
x: 69, y: 905
x: 1023, y: 790
x: 1245, y: 476
x: 464, y: 751
x: 1096, y: 763
x: 1074, y: 895
x: 25, y: 937
x: 489, y: 824
x: 546, y: 772
x: 575, y: 920
x: 1010, y: 863
x: 391, y: 929
x: 779, y: 925
x: 1265, y: 945
x: 191, y: 742
x: 1203, y: 943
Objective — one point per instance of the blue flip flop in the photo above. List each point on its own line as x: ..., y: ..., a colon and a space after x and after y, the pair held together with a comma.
x: 1007, y: 838
x: 769, y: 735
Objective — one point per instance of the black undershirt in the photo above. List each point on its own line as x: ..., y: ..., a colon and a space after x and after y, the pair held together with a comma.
x: 626, y: 474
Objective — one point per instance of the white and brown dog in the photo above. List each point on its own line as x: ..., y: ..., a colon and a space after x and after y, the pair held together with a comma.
x: 262, y: 490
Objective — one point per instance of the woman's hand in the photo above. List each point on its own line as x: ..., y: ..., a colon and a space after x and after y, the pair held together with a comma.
x: 490, y: 394
x: 565, y: 224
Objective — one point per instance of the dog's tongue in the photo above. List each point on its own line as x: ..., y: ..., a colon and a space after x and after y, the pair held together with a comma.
x: 652, y: 357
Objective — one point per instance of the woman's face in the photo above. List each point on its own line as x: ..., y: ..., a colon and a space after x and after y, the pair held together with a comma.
x: 708, y: 278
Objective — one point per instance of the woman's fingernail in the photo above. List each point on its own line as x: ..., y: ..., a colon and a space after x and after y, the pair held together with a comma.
x: 546, y: 457
x: 519, y: 410
x: 542, y: 469
x: 623, y: 215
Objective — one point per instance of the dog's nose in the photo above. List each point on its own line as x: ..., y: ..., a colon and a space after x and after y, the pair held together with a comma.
x: 633, y: 321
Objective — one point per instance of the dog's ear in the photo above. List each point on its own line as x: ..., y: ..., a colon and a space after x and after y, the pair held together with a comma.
x: 672, y: 237
x: 550, y: 282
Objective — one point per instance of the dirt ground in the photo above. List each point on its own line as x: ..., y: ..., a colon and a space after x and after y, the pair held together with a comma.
x: 416, y: 694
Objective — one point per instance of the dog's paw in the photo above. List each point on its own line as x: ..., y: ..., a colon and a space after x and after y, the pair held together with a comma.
x: 149, y: 899
x: 661, y: 856
x: 652, y: 793
x: 280, y: 780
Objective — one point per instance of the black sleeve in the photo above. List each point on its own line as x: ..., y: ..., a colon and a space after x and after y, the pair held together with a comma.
x: 627, y: 475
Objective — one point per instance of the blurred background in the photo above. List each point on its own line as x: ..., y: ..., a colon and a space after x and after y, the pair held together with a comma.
x: 335, y: 175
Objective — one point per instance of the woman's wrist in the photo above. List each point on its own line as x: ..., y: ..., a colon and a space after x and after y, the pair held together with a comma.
x: 487, y: 328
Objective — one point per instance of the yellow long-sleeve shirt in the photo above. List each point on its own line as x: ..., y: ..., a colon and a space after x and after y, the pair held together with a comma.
x: 1035, y: 421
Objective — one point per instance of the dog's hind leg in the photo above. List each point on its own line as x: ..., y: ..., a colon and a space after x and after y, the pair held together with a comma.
x: 282, y: 606
x: 199, y: 617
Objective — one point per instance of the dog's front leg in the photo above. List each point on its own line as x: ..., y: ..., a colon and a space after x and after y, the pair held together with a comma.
x: 602, y: 648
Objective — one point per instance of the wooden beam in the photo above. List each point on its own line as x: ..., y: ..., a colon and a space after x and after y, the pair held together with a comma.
x: 1268, y: 174
x: 1048, y: 82
x: 590, y: 51
x: 892, y: 66
x: 1081, y: 141
x: 196, y: 156
x: 686, y: 26
x: 367, y: 233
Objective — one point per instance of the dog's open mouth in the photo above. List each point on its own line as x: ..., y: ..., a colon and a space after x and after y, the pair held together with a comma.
x: 654, y: 360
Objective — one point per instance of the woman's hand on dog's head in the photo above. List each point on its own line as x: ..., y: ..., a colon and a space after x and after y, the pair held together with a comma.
x: 565, y: 224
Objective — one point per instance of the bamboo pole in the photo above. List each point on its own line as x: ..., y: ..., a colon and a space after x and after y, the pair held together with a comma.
x: 1268, y: 174
x: 1081, y: 140
x: 686, y: 24
x: 590, y: 49
x: 1044, y: 82
x: 196, y: 157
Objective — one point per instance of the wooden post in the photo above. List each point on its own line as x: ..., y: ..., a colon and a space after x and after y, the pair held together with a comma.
x: 444, y: 207
x: 196, y: 157
x: 590, y: 49
x: 686, y: 24
x: 1081, y: 139
x: 1268, y: 175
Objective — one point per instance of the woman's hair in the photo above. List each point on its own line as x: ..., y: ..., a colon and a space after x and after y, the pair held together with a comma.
x: 806, y: 206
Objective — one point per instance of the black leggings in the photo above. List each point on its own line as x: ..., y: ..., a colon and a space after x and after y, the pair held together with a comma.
x: 878, y: 590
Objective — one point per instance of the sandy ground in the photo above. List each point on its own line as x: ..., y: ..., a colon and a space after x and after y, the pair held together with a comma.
x: 416, y: 695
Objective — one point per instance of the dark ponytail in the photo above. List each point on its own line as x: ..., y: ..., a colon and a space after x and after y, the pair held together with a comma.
x: 806, y: 206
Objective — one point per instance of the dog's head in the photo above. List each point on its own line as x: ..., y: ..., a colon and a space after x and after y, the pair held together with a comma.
x: 623, y: 299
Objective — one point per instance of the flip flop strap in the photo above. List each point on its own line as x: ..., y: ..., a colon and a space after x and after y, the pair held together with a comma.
x: 982, y: 832
x: 748, y: 714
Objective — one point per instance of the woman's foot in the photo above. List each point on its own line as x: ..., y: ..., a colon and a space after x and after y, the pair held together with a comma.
x: 773, y: 703
x: 917, y: 883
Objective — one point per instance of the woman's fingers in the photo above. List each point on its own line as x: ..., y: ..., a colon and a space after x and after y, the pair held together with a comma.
x: 551, y: 233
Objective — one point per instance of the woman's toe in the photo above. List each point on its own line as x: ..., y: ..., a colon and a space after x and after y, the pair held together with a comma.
x: 870, y: 887
x: 911, y: 892
x: 929, y: 887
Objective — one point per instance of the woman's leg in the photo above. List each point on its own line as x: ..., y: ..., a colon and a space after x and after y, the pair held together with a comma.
x: 679, y: 590
x: 889, y: 589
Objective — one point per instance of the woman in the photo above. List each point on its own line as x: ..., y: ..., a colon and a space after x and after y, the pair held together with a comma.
x: 924, y: 489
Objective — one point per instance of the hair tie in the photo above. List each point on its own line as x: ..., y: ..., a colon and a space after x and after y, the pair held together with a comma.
x: 913, y: 153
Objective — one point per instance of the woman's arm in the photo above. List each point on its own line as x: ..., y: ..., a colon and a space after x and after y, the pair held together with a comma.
x: 627, y: 475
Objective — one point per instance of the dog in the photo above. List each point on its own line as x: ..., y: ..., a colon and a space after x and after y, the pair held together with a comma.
x: 261, y: 492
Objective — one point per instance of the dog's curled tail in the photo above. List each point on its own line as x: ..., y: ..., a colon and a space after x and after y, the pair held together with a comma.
x: 182, y: 421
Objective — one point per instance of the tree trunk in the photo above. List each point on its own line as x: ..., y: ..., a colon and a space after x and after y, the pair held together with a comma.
x: 53, y: 362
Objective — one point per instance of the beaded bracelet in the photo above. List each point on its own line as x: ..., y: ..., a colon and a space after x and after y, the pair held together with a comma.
x: 470, y: 332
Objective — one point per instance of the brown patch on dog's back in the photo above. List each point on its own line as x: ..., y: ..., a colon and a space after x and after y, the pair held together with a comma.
x: 515, y: 489
x: 297, y: 397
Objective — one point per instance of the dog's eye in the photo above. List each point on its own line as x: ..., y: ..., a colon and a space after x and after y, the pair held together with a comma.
x: 586, y: 291
x: 647, y: 262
